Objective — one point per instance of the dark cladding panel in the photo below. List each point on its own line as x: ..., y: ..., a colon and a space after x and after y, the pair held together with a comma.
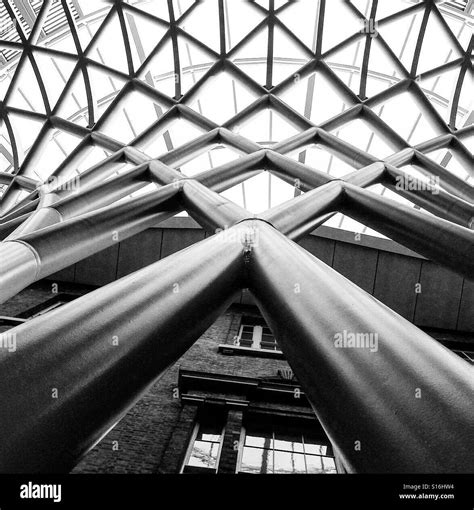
x: 321, y: 248
x: 65, y: 275
x: 437, y: 304
x: 139, y: 251
x: 466, y: 310
x: 176, y: 239
x: 395, y: 282
x: 98, y: 269
x: 356, y: 263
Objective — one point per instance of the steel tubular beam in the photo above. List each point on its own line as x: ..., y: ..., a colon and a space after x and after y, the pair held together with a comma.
x: 7, y: 227
x: 42, y: 217
x: 209, y: 209
x: 343, y: 150
x: 450, y: 182
x: 104, y: 351
x: 184, y: 153
x: 234, y: 172
x: 21, y: 211
x: 398, y: 403
x: 371, y: 174
x: 305, y: 212
x: 430, y: 196
x: 57, y: 209
x: 35, y: 255
x: 238, y: 142
x: 21, y: 181
x: 294, y: 172
x: 447, y: 243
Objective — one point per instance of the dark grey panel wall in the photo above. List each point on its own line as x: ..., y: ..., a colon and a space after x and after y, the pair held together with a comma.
x: 392, y: 278
x: 139, y: 251
x: 178, y: 239
x: 356, y: 263
x: 99, y: 269
x: 65, y: 275
x: 466, y: 310
x: 395, y: 282
x: 321, y: 248
x: 438, y: 303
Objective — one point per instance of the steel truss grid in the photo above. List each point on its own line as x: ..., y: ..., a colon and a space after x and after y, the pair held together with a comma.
x: 53, y: 227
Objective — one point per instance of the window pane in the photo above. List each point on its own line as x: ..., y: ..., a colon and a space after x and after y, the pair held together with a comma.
x: 257, y: 461
x: 315, y: 449
x: 261, y: 441
x: 288, y: 442
x: 286, y: 462
x: 320, y: 465
x: 204, y: 455
x: 268, y: 340
x: 329, y: 465
x: 211, y: 438
x: 314, y: 464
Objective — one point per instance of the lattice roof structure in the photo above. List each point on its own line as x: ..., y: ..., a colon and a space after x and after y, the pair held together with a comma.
x: 117, y: 115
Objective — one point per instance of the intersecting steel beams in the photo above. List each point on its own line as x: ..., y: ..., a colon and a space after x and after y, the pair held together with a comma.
x: 52, y: 209
x: 26, y: 183
x: 59, y: 242
x: 305, y: 302
x: 7, y: 227
x: 24, y: 210
x: 104, y: 350
x: 405, y: 407
x: 35, y: 255
x: 304, y: 213
x: 209, y: 209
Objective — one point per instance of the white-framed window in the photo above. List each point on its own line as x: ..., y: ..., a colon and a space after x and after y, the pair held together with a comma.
x: 205, y: 445
x: 255, y: 336
x: 270, y: 448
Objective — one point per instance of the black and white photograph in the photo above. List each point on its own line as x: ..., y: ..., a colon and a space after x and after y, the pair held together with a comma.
x: 236, y: 239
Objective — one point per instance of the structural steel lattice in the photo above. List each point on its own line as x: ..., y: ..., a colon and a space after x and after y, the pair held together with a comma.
x: 360, y: 397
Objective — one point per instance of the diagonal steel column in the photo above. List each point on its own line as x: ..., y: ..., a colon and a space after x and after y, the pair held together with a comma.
x: 35, y: 255
x: 447, y: 243
x: 53, y: 208
x: 401, y: 404
x: 102, y: 351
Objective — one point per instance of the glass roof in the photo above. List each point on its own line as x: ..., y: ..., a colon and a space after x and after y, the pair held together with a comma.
x: 79, y: 79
